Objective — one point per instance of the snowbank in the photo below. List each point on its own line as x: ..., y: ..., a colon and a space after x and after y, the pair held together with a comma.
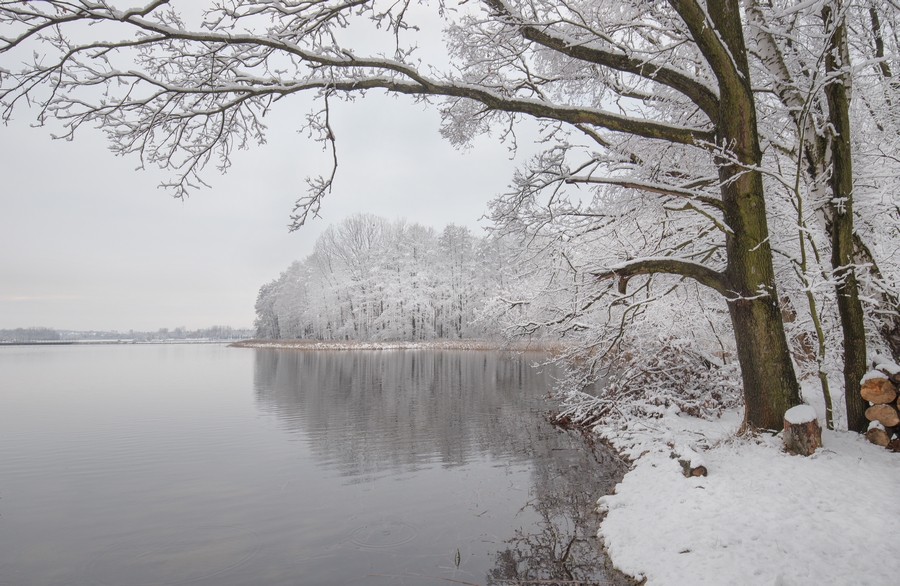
x: 760, y: 517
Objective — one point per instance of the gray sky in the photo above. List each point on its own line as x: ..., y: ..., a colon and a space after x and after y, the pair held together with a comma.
x: 90, y: 243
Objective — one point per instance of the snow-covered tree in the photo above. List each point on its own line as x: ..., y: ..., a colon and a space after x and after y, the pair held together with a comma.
x: 370, y: 279
x: 808, y: 61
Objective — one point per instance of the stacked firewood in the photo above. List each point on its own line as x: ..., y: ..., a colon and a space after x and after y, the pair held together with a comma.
x: 879, y: 388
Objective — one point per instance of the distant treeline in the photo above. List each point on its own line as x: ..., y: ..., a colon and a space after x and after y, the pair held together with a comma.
x: 211, y: 333
x: 181, y: 333
x: 29, y: 335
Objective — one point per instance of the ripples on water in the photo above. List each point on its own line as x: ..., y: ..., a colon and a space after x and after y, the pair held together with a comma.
x: 158, y: 465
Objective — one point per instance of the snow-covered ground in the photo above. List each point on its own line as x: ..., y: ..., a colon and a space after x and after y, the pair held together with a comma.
x: 761, y: 516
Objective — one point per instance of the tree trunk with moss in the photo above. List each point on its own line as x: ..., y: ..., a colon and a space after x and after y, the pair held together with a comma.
x: 770, y: 384
x: 840, y: 212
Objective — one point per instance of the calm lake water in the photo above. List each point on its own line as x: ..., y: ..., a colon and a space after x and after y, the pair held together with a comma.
x: 206, y: 465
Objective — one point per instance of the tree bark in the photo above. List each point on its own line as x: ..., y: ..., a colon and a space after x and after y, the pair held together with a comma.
x: 841, y: 216
x: 770, y: 384
x: 802, y: 438
x: 888, y: 320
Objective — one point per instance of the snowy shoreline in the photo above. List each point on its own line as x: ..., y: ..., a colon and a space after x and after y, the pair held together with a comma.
x: 479, y: 345
x: 760, y: 517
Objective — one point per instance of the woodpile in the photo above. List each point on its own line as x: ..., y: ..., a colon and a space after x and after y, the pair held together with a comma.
x: 879, y: 388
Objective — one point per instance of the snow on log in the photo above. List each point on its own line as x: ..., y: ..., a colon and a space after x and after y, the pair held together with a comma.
x: 878, y: 391
x: 802, y: 432
x: 872, y: 374
x: 886, y: 415
x: 878, y: 436
x: 885, y: 364
x: 692, y: 463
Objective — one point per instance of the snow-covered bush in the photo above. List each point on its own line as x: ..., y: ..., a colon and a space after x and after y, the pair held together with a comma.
x: 666, y: 373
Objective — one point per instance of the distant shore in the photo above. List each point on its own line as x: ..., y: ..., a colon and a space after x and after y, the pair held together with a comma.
x: 480, y: 345
x: 105, y: 342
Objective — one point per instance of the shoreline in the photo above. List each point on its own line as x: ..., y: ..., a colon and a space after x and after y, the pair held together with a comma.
x: 473, y: 345
x: 123, y: 341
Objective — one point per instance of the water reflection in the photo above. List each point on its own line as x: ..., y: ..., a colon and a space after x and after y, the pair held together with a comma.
x: 370, y: 414
x: 564, y: 548
x: 213, y: 466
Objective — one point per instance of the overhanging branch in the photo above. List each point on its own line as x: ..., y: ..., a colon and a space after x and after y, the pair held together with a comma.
x: 651, y: 187
x: 698, y: 93
x: 667, y: 265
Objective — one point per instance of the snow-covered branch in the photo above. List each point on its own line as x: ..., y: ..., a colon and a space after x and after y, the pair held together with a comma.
x: 667, y: 265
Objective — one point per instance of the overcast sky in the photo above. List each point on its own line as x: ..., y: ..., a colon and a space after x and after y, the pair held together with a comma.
x: 90, y: 243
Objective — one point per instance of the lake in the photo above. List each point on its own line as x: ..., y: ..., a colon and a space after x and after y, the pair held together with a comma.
x: 147, y: 465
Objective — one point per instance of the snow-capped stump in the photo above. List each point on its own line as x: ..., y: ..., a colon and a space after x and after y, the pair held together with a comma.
x: 802, y: 432
x: 878, y: 391
x: 886, y: 415
x: 877, y: 435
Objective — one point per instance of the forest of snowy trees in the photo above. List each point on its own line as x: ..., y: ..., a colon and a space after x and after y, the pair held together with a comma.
x: 371, y: 279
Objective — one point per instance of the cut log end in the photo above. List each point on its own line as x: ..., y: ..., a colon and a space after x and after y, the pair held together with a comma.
x: 879, y: 391
x: 802, y: 438
x: 886, y: 415
x: 878, y: 436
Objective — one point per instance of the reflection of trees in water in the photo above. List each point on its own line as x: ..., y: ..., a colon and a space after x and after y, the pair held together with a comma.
x: 569, y: 474
x: 371, y: 411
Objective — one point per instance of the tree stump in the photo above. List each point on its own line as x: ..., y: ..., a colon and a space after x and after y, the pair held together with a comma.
x: 802, y: 432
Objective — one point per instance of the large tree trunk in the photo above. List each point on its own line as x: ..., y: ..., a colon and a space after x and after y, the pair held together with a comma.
x: 841, y: 217
x: 770, y: 384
